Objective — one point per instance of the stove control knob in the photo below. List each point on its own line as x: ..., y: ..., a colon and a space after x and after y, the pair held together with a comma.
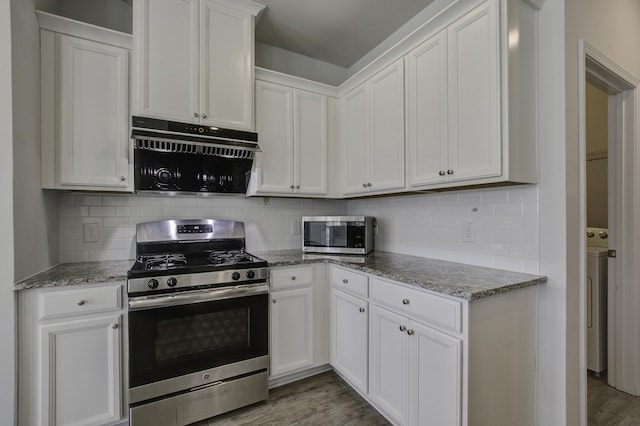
x: 235, y: 276
x: 251, y: 274
x: 152, y: 283
x: 171, y: 282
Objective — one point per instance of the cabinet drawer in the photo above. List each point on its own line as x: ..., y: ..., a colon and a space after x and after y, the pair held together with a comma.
x: 291, y: 277
x: 60, y: 303
x: 438, y: 311
x: 351, y: 282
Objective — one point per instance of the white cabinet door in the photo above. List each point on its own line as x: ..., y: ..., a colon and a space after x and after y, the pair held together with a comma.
x: 226, y: 73
x: 390, y: 364
x: 167, y: 57
x: 94, y: 99
x: 274, y: 124
x: 427, y: 112
x: 355, y: 158
x: 291, y: 330
x: 292, y: 128
x: 349, y: 338
x: 474, y: 95
x: 386, y: 152
x: 435, y: 377
x: 310, y: 136
x: 80, y: 381
x: 194, y: 61
x: 373, y: 133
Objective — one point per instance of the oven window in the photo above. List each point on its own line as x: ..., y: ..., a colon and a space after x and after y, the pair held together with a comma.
x: 172, y: 341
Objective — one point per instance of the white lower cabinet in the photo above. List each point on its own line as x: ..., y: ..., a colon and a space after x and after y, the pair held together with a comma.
x: 298, y: 319
x: 415, y: 371
x: 349, y: 342
x: 71, y: 368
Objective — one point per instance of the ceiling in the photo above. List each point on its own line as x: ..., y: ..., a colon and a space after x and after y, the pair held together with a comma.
x: 339, y: 32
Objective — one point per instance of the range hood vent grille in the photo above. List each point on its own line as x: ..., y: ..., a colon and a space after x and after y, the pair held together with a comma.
x: 182, y: 147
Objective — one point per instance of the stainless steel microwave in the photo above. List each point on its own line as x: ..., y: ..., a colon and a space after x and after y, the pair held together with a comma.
x: 338, y: 234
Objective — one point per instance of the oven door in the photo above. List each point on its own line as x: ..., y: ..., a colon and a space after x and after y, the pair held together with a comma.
x: 195, y: 341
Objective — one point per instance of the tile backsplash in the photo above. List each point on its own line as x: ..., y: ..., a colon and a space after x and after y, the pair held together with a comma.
x: 267, y: 224
x: 504, y: 222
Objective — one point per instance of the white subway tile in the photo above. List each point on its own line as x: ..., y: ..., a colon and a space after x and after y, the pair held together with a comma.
x: 91, y: 200
x: 494, y: 196
x: 507, y: 209
x: 102, y: 211
x: 115, y: 200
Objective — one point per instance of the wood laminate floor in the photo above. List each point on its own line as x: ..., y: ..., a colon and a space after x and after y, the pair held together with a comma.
x: 609, y: 406
x: 324, y: 399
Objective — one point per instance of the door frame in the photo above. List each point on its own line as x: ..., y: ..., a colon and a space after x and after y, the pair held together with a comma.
x: 623, y: 206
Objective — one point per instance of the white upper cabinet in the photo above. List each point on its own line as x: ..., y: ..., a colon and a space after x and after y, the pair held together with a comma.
x: 194, y: 61
x: 469, y: 99
x: 373, y: 134
x: 292, y: 134
x: 85, y: 106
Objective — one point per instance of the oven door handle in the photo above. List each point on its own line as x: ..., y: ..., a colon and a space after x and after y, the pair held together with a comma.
x: 175, y: 299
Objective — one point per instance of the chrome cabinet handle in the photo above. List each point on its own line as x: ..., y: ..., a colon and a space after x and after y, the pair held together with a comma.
x: 81, y: 302
x: 293, y: 278
x: 449, y: 172
x: 115, y: 326
x: 369, y: 184
x: 410, y: 332
x: 361, y: 309
x: 195, y: 115
x: 122, y: 178
x: 273, y: 301
x: 204, y: 115
x: 402, y: 328
x: 364, y: 185
x: 405, y: 301
x: 441, y: 173
x: 345, y: 281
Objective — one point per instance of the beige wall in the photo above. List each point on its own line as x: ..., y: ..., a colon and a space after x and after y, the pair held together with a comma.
x: 35, y: 210
x: 597, y: 157
x: 7, y: 315
x: 611, y: 28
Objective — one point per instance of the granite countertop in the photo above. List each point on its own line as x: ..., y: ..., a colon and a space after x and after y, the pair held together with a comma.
x: 453, y: 279
x: 78, y: 273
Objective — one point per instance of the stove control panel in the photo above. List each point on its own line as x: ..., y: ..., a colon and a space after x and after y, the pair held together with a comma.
x: 169, y: 283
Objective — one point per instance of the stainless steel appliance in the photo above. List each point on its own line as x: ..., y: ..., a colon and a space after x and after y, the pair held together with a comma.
x: 198, y: 322
x: 176, y: 158
x: 338, y: 234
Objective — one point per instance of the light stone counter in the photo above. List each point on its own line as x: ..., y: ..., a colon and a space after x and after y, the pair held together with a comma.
x: 453, y: 279
x: 78, y: 273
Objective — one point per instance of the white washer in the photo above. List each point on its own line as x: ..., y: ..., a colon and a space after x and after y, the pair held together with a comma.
x: 596, y: 315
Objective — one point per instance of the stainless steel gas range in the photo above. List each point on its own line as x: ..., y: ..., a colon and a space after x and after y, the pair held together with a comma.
x: 198, y: 322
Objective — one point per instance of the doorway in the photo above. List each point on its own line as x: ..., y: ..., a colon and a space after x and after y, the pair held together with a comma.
x: 623, y: 316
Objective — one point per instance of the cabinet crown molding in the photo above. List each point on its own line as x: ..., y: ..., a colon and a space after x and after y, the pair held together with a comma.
x: 62, y: 25
x: 245, y: 6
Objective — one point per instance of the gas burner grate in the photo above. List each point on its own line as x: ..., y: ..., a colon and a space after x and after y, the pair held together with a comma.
x: 231, y: 257
x: 163, y: 261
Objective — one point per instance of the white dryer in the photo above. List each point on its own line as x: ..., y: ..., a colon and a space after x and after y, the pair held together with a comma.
x: 596, y: 313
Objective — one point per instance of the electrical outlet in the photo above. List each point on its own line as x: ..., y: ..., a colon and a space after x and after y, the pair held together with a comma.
x: 469, y: 232
x: 295, y: 227
x: 91, y: 232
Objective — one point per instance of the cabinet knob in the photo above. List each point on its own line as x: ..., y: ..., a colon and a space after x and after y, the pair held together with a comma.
x: 402, y: 328
x: 293, y: 278
x: 449, y: 172
x: 115, y: 326
x: 361, y: 309
x: 405, y: 301
x: 291, y: 186
x: 345, y: 281
x: 204, y: 115
x: 122, y: 178
x: 273, y: 301
x: 364, y: 185
x: 410, y: 332
x: 81, y: 302
x: 297, y: 186
x: 369, y: 184
x: 441, y: 173
x: 195, y: 115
